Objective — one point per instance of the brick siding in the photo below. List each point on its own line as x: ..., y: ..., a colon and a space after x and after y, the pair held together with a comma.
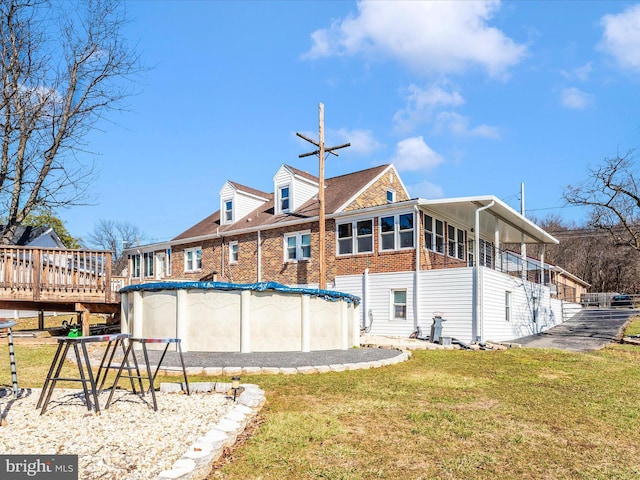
x: 306, y: 272
x: 376, y: 194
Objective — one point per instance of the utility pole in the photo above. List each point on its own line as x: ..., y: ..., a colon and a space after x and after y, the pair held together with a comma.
x: 321, y: 152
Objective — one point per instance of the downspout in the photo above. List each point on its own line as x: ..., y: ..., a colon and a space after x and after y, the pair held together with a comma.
x: 477, y: 291
x: 222, y: 258
x: 542, y: 265
x: 416, y: 277
x: 259, y: 259
x: 523, y: 244
x: 365, y: 298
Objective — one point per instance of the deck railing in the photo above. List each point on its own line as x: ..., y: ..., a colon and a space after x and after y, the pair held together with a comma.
x: 456, y: 255
x: 39, y: 272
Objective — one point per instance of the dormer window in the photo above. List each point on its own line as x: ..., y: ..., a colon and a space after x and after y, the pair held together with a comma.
x: 228, y: 211
x: 284, y: 199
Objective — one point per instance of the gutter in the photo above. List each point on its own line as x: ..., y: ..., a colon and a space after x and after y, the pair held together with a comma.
x: 361, y: 212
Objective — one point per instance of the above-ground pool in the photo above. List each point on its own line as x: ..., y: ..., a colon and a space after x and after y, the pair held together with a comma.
x: 227, y: 317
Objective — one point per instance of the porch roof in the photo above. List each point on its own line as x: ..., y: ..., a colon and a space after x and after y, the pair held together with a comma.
x: 511, y: 225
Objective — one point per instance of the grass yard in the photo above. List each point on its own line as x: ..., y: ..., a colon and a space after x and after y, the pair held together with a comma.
x: 51, y: 321
x: 514, y: 414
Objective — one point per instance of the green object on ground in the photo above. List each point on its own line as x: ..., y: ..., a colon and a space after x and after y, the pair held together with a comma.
x: 75, y: 332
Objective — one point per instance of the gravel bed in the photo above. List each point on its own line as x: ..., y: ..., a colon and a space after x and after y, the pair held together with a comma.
x: 128, y: 441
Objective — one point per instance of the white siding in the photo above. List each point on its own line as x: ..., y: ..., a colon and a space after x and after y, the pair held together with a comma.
x: 531, y: 310
x: 450, y: 292
x: 243, y: 204
x: 283, y: 176
x: 379, y: 301
x: 227, y: 191
x: 300, y: 190
x: 564, y: 310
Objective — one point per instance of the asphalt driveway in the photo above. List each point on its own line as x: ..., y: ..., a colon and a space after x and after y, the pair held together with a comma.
x: 591, y: 329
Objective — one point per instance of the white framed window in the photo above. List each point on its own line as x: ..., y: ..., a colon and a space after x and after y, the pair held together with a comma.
x: 433, y: 234
x: 233, y: 252
x: 284, y: 198
x: 396, y: 232
x: 399, y: 304
x: 507, y: 306
x: 391, y: 196
x: 135, y: 266
x: 167, y: 266
x: 456, y: 242
x: 462, y: 244
x: 297, y: 246
x: 193, y: 259
x: 486, y: 253
x: 355, y: 237
x: 228, y: 211
x: 148, y: 263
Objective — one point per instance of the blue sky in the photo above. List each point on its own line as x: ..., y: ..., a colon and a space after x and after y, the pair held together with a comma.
x: 465, y: 98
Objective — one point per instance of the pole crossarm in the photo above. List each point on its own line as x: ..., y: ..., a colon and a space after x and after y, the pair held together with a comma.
x: 321, y: 152
x: 317, y: 152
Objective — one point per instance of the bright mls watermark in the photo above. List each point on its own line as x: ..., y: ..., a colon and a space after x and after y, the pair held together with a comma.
x: 49, y: 467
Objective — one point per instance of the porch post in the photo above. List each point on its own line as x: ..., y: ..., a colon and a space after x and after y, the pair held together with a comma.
x: 477, y: 290
x: 496, y: 242
x: 416, y: 273
x: 542, y: 265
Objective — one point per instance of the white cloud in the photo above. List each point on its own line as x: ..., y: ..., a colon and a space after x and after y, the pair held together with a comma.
x: 621, y: 37
x: 581, y: 73
x: 421, y: 102
x: 458, y: 125
x: 428, y: 36
x: 414, y: 154
x: 425, y: 189
x: 362, y: 141
x: 576, y: 99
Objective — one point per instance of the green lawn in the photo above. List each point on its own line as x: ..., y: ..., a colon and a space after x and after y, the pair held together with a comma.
x: 520, y: 414
x: 511, y: 414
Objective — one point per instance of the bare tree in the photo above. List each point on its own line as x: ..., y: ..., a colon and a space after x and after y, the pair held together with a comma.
x: 115, y: 236
x: 62, y: 67
x: 612, y: 193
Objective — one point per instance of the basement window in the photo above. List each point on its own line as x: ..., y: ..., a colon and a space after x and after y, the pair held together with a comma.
x: 399, y: 307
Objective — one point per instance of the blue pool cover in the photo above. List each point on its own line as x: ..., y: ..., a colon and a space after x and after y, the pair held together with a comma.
x: 258, y: 287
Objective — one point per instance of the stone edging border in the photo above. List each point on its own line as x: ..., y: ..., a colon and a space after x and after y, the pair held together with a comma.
x: 402, y: 356
x: 196, y: 463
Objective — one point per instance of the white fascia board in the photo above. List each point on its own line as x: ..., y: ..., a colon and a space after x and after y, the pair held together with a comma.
x: 400, y: 180
x: 150, y: 247
x: 570, y: 275
x: 230, y: 185
x: 503, y: 211
x: 377, y: 210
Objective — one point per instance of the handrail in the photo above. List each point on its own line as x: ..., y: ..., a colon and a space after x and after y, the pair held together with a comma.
x: 47, y: 271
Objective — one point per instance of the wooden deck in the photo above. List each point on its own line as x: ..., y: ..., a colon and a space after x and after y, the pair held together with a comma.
x: 47, y: 279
